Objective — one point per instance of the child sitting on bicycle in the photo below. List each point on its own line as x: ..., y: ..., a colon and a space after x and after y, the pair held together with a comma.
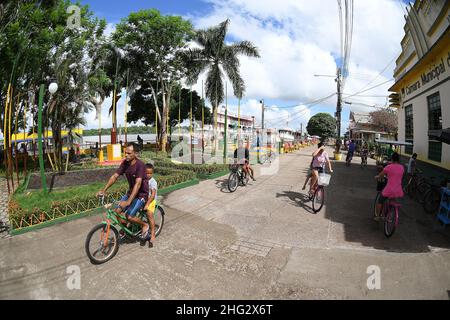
x: 151, y: 202
x: 393, y: 189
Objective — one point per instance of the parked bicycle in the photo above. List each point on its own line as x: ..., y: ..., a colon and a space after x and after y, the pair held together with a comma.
x: 389, y: 211
x: 236, y: 177
x: 432, y: 197
x: 102, y: 242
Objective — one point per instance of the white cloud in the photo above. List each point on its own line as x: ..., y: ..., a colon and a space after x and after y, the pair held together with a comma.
x: 300, y: 38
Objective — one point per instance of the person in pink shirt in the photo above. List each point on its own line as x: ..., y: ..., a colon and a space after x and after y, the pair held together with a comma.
x: 320, y: 158
x: 393, y: 189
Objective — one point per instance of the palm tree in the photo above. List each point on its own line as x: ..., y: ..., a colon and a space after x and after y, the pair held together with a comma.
x: 213, y: 56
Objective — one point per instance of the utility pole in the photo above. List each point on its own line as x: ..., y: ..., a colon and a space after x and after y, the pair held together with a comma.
x: 262, y: 108
x: 339, y: 105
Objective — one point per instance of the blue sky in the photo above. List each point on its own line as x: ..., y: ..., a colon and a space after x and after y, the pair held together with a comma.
x: 296, y: 39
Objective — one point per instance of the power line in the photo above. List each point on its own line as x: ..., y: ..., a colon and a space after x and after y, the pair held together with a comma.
x: 380, y: 84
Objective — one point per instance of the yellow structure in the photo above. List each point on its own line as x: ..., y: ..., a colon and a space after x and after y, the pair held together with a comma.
x: 422, y: 81
x: 114, y: 152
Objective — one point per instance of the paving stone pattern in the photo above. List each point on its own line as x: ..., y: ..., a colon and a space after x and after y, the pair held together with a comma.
x: 4, y: 206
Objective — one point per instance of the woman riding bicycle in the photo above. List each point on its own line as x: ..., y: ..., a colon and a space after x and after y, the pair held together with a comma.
x: 393, y: 189
x: 320, y: 158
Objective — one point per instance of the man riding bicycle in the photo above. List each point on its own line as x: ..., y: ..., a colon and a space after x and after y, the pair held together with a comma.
x: 134, y: 200
x: 351, y: 151
x: 242, y: 156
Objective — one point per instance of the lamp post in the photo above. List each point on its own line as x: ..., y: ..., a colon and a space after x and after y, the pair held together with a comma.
x: 52, y: 88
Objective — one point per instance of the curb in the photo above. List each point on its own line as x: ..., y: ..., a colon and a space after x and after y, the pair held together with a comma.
x: 95, y: 211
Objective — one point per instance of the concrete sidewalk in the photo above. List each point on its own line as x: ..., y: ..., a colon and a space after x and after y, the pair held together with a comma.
x: 261, y: 242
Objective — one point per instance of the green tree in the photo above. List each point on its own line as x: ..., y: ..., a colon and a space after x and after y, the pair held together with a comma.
x: 144, y: 107
x: 322, y: 125
x: 153, y: 44
x: 213, y: 56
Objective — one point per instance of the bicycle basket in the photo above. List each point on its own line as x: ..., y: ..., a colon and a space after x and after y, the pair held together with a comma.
x: 234, y: 167
x: 324, y: 179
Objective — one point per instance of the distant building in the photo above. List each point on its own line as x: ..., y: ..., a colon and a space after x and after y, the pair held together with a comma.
x: 422, y: 86
x: 362, y: 129
x: 245, y: 122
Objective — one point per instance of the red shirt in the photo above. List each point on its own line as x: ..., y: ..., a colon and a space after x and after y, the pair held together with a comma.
x: 132, y: 172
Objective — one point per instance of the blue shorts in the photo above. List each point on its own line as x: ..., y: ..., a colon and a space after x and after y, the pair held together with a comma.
x: 135, y: 206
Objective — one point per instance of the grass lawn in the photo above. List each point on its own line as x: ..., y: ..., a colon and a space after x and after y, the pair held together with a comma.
x: 37, y: 199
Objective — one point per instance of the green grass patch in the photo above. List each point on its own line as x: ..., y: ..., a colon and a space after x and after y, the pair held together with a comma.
x: 38, y: 199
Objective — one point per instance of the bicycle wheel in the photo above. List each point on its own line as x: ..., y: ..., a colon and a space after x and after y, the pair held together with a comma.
x: 245, y: 179
x: 101, y: 247
x: 421, y: 191
x: 374, y: 213
x: 390, y: 221
x: 158, y: 216
x: 432, y: 201
x: 232, y: 182
x: 318, y: 199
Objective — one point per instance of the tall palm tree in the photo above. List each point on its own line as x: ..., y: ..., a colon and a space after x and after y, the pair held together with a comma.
x: 213, y: 56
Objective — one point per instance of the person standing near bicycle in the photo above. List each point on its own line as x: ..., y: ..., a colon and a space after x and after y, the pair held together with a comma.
x: 320, y: 159
x: 393, y: 189
x: 242, y: 156
x: 134, y: 200
x: 412, y: 165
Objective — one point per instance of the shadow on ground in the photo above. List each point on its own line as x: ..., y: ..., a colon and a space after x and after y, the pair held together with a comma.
x: 350, y: 202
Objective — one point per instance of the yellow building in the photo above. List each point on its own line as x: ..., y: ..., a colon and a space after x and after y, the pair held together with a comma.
x: 422, y: 83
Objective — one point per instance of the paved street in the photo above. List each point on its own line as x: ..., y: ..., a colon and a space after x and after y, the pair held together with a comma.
x: 261, y: 242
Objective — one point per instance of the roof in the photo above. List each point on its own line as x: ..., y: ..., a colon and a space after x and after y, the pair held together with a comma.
x: 397, y: 143
x: 360, y: 117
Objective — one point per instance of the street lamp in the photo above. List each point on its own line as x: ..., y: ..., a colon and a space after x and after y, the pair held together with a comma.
x: 52, y: 88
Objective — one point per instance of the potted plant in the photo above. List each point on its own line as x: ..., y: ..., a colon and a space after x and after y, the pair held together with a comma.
x: 337, y: 151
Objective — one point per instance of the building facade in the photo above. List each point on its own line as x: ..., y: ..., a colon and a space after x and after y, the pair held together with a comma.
x: 361, y: 129
x: 422, y: 81
x: 246, y: 123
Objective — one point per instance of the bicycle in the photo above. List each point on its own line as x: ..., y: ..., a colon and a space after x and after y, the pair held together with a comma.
x: 389, y: 211
x: 106, y: 243
x: 318, y: 196
x: 236, y: 177
x: 432, y: 198
x: 414, y: 180
x: 363, y: 160
x: 349, y: 158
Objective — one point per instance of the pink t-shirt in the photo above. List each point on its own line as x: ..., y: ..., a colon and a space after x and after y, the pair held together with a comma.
x: 320, y: 160
x: 394, y: 174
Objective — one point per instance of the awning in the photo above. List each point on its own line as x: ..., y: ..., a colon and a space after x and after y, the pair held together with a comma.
x: 440, y: 135
x: 396, y: 143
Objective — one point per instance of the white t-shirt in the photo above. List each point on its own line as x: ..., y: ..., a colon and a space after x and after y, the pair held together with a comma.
x: 153, y: 185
